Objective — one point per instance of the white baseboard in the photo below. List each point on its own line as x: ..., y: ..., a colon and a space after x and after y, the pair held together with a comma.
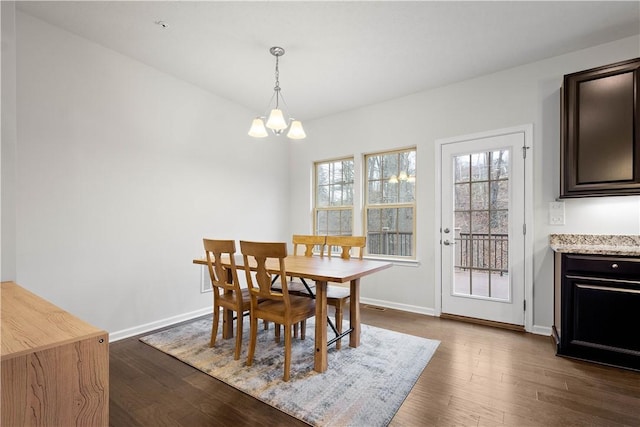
x: 541, y: 330
x: 126, y: 333
x: 396, y: 306
x: 538, y: 330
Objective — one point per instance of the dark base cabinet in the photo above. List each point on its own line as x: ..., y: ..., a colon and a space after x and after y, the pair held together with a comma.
x: 599, y: 309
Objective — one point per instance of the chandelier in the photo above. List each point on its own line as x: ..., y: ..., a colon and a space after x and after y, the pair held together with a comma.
x: 276, y: 121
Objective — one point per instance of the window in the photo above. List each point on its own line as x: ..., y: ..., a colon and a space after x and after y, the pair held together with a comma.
x: 333, y: 211
x: 390, y: 204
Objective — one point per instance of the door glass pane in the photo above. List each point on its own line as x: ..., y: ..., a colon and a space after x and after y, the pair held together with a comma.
x: 481, y: 224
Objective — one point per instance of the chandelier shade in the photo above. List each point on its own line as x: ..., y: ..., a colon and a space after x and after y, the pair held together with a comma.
x: 296, y: 131
x: 277, y: 121
x: 257, y: 128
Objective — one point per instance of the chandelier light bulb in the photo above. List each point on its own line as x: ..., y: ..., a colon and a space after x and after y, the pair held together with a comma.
x: 402, y: 176
x: 393, y: 179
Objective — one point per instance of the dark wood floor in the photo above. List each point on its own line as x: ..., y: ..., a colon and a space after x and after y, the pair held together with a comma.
x: 479, y: 376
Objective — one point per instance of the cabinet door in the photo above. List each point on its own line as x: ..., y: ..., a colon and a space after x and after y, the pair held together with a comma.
x: 600, y: 321
x: 600, y: 132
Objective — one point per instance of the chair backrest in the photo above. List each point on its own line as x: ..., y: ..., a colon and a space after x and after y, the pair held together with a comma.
x: 309, y: 242
x: 259, y: 281
x: 346, y: 243
x: 214, y: 249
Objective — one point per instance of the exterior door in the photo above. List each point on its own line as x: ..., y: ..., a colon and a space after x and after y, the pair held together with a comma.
x: 482, y: 230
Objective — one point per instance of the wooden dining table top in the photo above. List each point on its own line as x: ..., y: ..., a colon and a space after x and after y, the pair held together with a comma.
x: 323, y: 269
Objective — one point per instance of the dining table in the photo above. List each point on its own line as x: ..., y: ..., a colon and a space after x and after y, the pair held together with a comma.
x: 322, y: 270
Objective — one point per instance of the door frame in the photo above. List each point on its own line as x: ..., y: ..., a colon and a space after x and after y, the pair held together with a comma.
x: 527, y: 129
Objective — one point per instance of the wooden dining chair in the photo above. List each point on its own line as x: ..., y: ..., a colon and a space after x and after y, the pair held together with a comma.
x: 278, y: 307
x: 338, y: 296
x: 227, y: 293
x: 299, y: 286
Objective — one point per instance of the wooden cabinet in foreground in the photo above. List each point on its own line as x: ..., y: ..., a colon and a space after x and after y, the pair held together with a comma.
x: 600, y: 138
x: 55, y: 367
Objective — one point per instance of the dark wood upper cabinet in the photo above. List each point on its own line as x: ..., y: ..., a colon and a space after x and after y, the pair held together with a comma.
x: 600, y: 139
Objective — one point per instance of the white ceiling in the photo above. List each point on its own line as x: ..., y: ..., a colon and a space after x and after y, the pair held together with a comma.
x: 339, y: 55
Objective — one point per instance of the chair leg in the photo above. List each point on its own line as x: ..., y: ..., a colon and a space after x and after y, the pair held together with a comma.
x: 277, y: 329
x: 287, y: 352
x: 265, y: 324
x: 214, y: 327
x: 295, y: 330
x: 236, y: 355
x: 339, y: 323
x: 303, y: 329
x: 252, y: 340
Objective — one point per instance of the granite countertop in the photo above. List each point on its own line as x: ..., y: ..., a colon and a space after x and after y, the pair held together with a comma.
x: 603, y: 244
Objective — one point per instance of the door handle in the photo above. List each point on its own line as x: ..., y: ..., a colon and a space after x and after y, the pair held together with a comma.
x: 448, y: 243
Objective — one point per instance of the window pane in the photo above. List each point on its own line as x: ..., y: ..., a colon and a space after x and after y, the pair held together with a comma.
x: 348, y: 171
x: 389, y: 165
x: 480, y: 195
x: 334, y: 222
x: 480, y: 222
x: 462, y: 168
x: 405, y: 220
x: 345, y: 223
x: 322, y: 198
x: 499, y: 198
x: 462, y: 197
x: 336, y: 175
x: 462, y: 223
x: 499, y: 222
x: 479, y: 166
x: 390, y: 231
x: 374, y: 167
x: 406, y: 190
x: 321, y: 223
x: 375, y: 192
x: 500, y: 164
x: 390, y: 192
x: 336, y: 195
x: 347, y: 195
x: 322, y: 171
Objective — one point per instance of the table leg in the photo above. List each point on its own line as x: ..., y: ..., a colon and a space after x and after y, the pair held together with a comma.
x: 320, y: 356
x: 227, y: 315
x: 354, y: 313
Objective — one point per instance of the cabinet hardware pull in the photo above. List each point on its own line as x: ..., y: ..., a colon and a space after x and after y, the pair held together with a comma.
x: 614, y: 266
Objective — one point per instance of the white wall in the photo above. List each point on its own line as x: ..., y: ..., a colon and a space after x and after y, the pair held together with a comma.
x: 8, y: 151
x: 527, y: 94
x: 121, y: 171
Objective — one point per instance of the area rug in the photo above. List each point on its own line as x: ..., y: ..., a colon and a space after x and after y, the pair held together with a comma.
x: 363, y: 386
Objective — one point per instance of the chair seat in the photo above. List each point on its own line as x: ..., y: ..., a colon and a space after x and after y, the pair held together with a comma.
x: 272, y: 310
x: 228, y: 297
x: 337, y: 293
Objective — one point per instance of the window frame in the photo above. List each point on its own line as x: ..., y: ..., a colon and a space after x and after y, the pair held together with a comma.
x: 367, y: 205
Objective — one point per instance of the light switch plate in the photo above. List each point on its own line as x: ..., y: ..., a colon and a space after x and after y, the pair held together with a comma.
x: 556, y: 213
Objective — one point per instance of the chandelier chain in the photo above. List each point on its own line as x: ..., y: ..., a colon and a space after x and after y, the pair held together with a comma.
x: 277, y: 87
